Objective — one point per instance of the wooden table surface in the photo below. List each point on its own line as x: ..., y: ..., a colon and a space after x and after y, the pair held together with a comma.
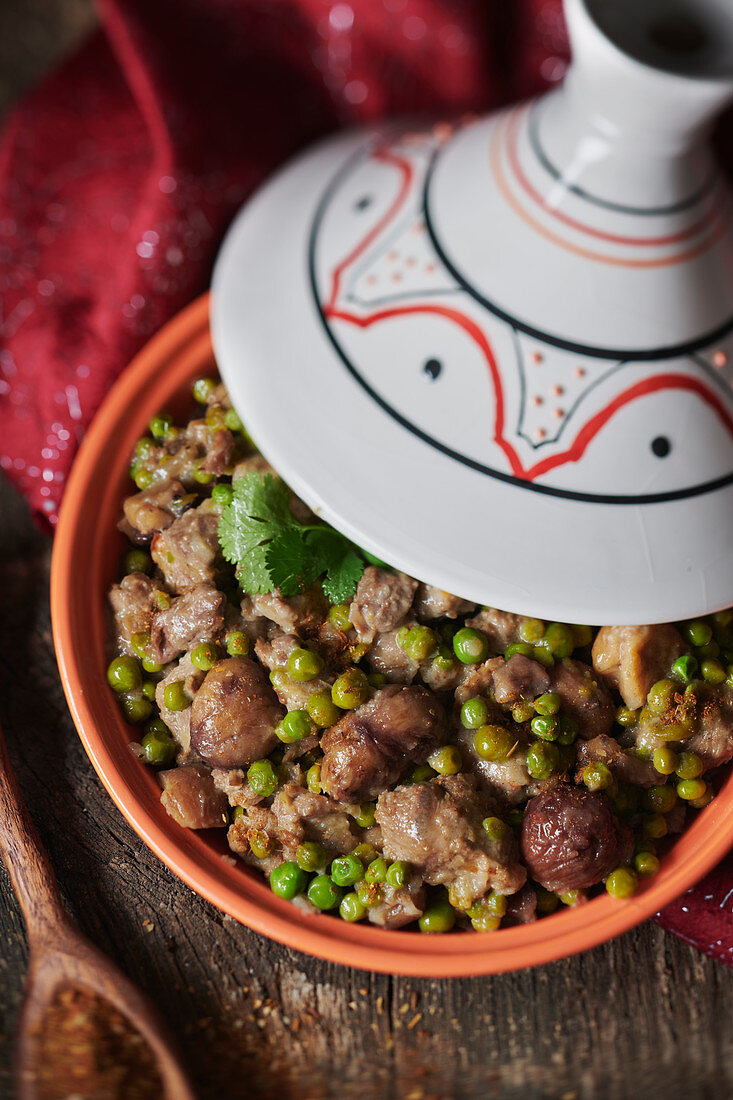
x: 644, y: 1016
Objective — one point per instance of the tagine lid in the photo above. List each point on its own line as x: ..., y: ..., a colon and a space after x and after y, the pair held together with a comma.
x: 498, y: 353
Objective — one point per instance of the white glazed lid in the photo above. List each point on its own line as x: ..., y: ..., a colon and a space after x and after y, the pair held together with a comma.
x: 507, y: 378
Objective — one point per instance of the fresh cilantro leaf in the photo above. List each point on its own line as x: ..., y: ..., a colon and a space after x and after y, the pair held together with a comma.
x: 271, y: 549
x: 342, y: 577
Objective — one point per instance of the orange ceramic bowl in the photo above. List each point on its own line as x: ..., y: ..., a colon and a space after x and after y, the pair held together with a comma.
x: 85, y: 562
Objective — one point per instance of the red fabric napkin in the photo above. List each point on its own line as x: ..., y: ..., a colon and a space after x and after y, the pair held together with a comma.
x: 119, y: 175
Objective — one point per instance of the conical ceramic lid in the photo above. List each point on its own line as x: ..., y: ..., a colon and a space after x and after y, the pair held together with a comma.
x: 499, y: 354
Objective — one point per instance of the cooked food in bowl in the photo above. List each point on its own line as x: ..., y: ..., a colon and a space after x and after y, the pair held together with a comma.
x: 379, y: 748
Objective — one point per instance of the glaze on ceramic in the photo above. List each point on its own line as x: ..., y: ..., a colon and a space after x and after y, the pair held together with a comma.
x: 499, y: 352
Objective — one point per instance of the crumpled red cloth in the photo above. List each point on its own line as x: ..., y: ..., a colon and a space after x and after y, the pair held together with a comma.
x: 119, y: 175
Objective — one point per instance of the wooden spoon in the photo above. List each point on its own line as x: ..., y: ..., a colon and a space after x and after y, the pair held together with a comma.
x: 61, y: 958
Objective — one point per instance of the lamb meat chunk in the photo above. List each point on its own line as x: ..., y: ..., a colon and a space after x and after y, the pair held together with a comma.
x: 632, y: 658
x: 303, y: 816
x: 436, y: 827
x: 506, y: 780
x: 478, y: 680
x: 148, y: 512
x: 519, y: 678
x: 371, y: 747
x: 196, y: 616
x: 713, y: 736
x: 133, y: 607
x: 274, y: 653
x: 571, y: 838
x: 302, y: 615
x: 500, y: 627
x: 252, y: 464
x: 218, y: 452
x: 234, y: 714
x: 622, y: 765
x: 191, y: 798
x: 389, y: 658
x: 394, y: 908
x: 232, y: 782
x: 585, y: 697
x: 382, y: 600
x: 187, y: 553
x: 179, y: 721
x: 433, y: 603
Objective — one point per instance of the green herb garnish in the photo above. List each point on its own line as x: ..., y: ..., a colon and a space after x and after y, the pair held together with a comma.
x: 271, y: 549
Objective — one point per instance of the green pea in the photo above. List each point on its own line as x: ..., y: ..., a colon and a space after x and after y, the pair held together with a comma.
x: 495, y: 904
x: 205, y: 656
x: 137, y: 561
x: 421, y: 774
x: 646, y: 864
x: 495, y: 828
x: 338, y: 616
x: 376, y: 679
x: 697, y: 632
x: 474, y: 713
x: 597, y: 776
x: 160, y: 424
x: 144, y: 448
x: 288, y: 880
x: 377, y: 870
x: 202, y: 389
x: 148, y: 690
x: 313, y: 779
x: 351, y: 909
x: 543, y: 654
x: 685, y: 668
x: 492, y: 742
x: 484, y: 921
x: 659, y: 800
x: 531, y: 630
x: 572, y: 898
x: 262, y: 778
x: 279, y: 678
x: 622, y: 882
x: 547, y: 902
x: 515, y: 817
x: 294, y: 726
x: 398, y: 874
x: 421, y: 643
x: 704, y: 799
x: 346, y: 870
x: 522, y: 711
x: 139, y: 643
x: 712, y: 671
x: 470, y: 646
x: 364, y: 816
x: 582, y: 635
x: 202, y: 476
x: 143, y: 478
x: 559, y: 640
x: 163, y: 600
x: 712, y: 649
x: 447, y: 760
x: 310, y: 856
x: 691, y: 789
x: 237, y: 643
x: 626, y: 717
x: 304, y: 665
x: 222, y: 494
x: 215, y: 418
x: 524, y: 649
x: 365, y: 852
x: 549, y: 703
x: 671, y: 731
x: 567, y: 730
x: 664, y: 760
x: 660, y: 695
x: 689, y: 766
x: 544, y: 726
x: 654, y: 826
x: 174, y: 696
x: 350, y: 690
x: 123, y: 674
x: 135, y: 708
x: 159, y: 748
x: 324, y: 893
x: 322, y: 709
x: 232, y: 421
x: 542, y: 759
x: 439, y: 916
x: 151, y: 666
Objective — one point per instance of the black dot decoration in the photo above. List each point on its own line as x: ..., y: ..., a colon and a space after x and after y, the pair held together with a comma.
x: 432, y: 368
x: 661, y: 446
x: 363, y: 202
